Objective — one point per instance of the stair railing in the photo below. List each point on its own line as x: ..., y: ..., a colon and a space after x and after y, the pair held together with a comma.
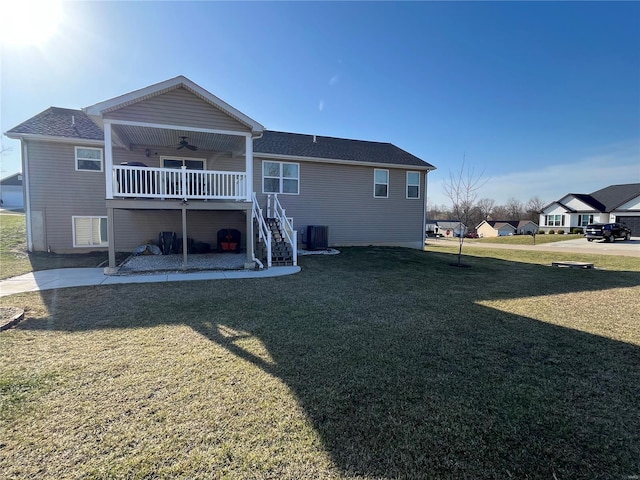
x: 289, y: 234
x: 264, y: 232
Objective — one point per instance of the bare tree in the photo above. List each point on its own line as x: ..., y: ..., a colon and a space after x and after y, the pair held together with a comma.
x: 485, y: 207
x: 462, y: 189
x: 499, y: 212
x: 533, y: 208
x: 515, y: 209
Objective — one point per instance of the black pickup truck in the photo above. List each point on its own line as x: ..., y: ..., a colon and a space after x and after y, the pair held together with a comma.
x: 607, y: 231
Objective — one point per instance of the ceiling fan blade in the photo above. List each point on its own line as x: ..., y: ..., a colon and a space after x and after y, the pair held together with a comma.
x: 193, y: 148
x: 180, y: 147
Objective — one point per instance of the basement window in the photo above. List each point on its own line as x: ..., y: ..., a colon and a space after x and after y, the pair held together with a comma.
x: 90, y: 232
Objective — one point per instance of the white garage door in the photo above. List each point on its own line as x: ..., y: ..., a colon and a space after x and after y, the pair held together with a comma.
x: 12, y: 198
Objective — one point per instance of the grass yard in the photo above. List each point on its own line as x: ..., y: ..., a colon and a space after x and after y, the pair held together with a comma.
x: 526, y: 239
x: 538, y: 257
x: 377, y: 363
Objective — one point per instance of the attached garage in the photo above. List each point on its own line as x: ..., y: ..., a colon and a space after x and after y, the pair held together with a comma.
x: 632, y: 222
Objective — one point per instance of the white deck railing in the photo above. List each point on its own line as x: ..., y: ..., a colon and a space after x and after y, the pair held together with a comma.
x: 150, y: 182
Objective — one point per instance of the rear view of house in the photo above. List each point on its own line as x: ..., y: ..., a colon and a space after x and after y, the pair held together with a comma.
x: 173, y: 157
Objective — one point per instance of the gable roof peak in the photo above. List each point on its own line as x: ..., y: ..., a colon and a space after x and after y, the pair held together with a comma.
x: 166, y: 86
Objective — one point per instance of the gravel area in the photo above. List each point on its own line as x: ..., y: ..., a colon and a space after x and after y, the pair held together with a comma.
x: 173, y: 263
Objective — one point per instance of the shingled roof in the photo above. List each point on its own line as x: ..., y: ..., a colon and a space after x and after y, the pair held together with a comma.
x: 606, y: 199
x: 75, y: 124
x: 60, y: 122
x: 314, y: 146
x: 613, y: 196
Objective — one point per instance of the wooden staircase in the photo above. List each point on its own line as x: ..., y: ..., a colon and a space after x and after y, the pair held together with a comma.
x: 281, y: 251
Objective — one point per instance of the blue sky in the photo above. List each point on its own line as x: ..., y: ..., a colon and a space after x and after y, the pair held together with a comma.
x: 542, y: 97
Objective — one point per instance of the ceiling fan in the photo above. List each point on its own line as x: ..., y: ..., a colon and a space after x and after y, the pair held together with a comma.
x: 184, y: 144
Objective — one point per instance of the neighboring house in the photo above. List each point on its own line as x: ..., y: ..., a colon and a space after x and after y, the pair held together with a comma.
x: 173, y: 157
x: 615, y: 203
x: 11, y: 191
x: 500, y: 228
x: 445, y: 228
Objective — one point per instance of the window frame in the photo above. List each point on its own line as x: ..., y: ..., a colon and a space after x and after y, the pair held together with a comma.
x: 74, y: 220
x: 581, y: 219
x: 101, y: 161
x: 410, y: 172
x: 375, y: 183
x: 281, y: 178
x: 558, y: 221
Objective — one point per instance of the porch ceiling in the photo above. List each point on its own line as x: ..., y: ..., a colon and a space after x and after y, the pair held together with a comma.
x: 137, y: 135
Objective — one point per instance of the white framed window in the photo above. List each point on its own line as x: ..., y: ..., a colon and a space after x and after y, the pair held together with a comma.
x: 413, y: 184
x: 584, y: 220
x: 554, y: 220
x: 280, y: 177
x: 90, y: 231
x: 380, y: 183
x: 89, y: 159
x: 178, y: 162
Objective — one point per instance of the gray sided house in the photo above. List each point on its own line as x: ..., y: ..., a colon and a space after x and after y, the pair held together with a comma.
x: 615, y: 203
x: 172, y: 157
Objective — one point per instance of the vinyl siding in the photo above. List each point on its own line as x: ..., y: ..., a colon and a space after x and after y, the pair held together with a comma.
x: 341, y: 197
x: 178, y: 107
x: 578, y: 205
x: 59, y: 192
x: 486, y: 230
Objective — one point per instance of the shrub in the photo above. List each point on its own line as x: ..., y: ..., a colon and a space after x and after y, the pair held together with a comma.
x: 551, y: 232
x: 541, y: 232
x: 561, y: 232
x: 577, y: 231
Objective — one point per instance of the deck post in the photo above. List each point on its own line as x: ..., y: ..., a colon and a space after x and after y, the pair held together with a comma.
x: 250, y: 236
x: 185, y: 243
x: 112, y: 242
x: 248, y: 168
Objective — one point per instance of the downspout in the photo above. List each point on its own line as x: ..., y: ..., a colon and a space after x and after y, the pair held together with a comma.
x: 27, y: 193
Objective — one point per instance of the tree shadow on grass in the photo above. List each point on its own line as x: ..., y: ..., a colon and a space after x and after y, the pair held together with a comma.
x: 404, y: 373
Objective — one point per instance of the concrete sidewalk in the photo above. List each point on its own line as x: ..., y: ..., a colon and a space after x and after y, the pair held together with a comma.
x: 80, y: 277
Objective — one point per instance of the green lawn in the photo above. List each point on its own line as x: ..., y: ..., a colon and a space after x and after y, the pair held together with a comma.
x: 377, y: 363
x: 526, y: 239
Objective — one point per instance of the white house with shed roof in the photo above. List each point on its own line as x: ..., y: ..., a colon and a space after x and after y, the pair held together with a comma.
x: 172, y: 157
